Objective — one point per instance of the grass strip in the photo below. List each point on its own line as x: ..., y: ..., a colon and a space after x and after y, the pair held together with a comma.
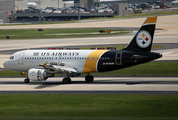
x: 43, y: 22
x: 147, y: 69
x: 35, y: 34
x: 81, y: 106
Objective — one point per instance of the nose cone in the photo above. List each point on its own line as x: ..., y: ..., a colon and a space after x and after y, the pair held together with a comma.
x: 5, y: 64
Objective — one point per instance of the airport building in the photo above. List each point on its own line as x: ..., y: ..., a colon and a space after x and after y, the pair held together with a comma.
x: 10, y: 9
x: 13, y: 10
x: 86, y: 3
x: 130, y: 1
x: 11, y: 5
x: 41, y: 4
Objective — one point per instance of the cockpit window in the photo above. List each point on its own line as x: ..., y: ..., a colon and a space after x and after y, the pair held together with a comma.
x: 12, y: 57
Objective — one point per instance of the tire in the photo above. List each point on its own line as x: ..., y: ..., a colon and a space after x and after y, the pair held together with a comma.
x: 66, y: 81
x: 89, y: 78
x: 26, y: 80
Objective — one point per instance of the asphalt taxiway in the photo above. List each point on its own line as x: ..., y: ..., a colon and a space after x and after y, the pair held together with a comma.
x: 101, y: 85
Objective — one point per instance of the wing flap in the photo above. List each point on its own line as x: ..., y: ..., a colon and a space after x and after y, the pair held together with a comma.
x: 58, y: 68
x: 65, y: 69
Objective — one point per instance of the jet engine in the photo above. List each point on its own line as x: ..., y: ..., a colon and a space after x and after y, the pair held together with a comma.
x: 39, y: 74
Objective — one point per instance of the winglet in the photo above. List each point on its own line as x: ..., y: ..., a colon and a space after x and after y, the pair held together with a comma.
x: 45, y: 65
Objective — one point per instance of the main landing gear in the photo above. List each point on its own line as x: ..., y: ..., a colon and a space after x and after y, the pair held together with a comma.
x: 89, y: 78
x: 66, y: 80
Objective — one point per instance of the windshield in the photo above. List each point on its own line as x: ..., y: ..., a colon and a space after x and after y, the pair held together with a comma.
x: 11, y: 57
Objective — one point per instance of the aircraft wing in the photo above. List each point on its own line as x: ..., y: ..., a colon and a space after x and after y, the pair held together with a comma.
x: 58, y: 68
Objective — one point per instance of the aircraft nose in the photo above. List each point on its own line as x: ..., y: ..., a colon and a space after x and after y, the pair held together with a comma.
x: 5, y: 64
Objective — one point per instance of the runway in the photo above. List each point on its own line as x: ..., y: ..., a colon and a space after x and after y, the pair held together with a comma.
x: 101, y: 85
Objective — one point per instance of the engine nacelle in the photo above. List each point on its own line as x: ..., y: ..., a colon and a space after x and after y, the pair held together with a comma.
x: 39, y: 74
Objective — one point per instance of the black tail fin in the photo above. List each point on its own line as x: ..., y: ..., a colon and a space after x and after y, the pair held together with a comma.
x: 142, y: 41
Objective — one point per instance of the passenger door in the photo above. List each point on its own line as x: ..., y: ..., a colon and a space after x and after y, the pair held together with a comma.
x: 20, y: 60
x: 118, y: 58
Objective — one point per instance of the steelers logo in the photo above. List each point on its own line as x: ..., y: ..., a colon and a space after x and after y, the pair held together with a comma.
x: 143, y: 39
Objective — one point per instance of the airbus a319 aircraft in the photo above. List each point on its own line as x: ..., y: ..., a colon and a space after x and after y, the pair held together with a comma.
x: 39, y: 65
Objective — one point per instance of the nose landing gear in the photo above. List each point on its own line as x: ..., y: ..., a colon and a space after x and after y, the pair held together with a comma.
x: 26, y: 80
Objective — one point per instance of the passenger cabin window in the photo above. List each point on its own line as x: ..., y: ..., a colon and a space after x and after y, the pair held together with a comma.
x: 11, y: 57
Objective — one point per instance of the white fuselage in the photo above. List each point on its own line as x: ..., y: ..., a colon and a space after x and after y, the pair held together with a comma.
x: 24, y: 60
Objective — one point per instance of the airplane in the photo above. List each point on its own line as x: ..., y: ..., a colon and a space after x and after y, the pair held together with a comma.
x: 39, y: 65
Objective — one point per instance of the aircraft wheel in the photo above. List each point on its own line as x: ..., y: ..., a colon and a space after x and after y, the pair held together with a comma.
x: 66, y: 80
x: 26, y: 80
x: 89, y: 78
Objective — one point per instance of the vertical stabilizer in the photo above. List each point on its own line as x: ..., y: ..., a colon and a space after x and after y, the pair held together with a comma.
x: 143, y: 39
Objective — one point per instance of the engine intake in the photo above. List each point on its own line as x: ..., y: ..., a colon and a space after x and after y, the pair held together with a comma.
x: 39, y: 74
